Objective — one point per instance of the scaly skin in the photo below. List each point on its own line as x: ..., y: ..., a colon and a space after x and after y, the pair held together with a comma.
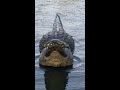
x: 56, y: 47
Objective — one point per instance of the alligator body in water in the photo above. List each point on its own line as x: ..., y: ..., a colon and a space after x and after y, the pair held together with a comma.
x: 56, y: 47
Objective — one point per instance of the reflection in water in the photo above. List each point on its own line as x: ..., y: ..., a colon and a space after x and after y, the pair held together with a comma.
x: 56, y: 78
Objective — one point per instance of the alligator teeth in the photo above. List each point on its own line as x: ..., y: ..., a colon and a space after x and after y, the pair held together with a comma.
x: 48, y: 44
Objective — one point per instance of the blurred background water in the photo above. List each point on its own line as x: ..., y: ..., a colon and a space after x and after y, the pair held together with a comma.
x: 72, y: 13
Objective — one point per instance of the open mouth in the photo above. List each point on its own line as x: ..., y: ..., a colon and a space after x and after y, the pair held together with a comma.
x: 56, y: 54
x: 55, y: 46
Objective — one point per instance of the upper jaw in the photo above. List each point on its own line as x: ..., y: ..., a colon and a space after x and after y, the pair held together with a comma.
x: 56, y: 42
x: 56, y: 45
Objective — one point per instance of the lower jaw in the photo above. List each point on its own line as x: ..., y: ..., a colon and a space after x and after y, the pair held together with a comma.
x: 57, y: 64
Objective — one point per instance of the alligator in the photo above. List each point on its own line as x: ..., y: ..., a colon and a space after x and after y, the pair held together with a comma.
x: 56, y: 47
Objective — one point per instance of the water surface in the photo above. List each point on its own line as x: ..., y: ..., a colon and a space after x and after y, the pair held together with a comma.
x: 72, y: 13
